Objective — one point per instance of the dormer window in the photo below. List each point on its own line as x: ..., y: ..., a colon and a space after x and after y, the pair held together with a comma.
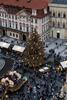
x: 34, y: 12
x: 45, y: 11
x: 28, y: 1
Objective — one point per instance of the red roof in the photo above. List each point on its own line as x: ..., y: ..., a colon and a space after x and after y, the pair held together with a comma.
x: 33, y: 4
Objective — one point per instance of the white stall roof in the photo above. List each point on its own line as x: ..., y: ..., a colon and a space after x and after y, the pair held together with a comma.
x: 41, y: 70
x: 44, y: 69
x: 64, y: 64
x: 65, y: 44
x: 18, y: 48
x: 4, y: 45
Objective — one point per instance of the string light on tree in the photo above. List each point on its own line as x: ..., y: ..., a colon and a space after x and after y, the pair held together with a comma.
x: 34, y: 52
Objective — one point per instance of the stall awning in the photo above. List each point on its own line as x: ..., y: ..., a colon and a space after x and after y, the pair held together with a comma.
x: 44, y: 69
x: 18, y: 48
x: 4, y: 45
x: 65, y: 44
x: 64, y: 64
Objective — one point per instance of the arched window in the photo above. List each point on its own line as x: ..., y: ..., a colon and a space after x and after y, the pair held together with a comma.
x: 48, y: 9
x: 20, y: 26
x: 24, y: 37
x: 64, y: 15
x: 63, y: 25
x: 58, y: 14
x: 16, y: 35
x: 16, y: 25
x: 9, y: 23
x: 10, y: 34
x: 53, y: 14
x: 58, y: 24
x: 53, y: 24
x: 13, y: 35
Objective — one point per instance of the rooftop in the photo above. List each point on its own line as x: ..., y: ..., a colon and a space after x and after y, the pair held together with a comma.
x: 33, y: 4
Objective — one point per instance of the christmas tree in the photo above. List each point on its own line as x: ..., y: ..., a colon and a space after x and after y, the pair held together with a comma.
x: 34, y: 52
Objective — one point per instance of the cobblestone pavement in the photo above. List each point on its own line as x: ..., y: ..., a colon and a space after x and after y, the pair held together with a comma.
x: 40, y: 87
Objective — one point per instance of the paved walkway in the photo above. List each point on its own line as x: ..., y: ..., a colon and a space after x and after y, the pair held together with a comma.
x: 57, y: 45
x: 7, y: 67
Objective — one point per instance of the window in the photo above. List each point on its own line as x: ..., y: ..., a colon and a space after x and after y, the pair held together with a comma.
x: 0, y: 13
x: 34, y: 12
x: 5, y: 15
x: 23, y: 17
x: 45, y: 11
x: 12, y: 16
x: 16, y: 35
x: 23, y: 26
x: 31, y: 28
x: 58, y: 14
x: 32, y: 20
x: 27, y: 19
x: 64, y: 15
x: 9, y: 23
x: 43, y: 28
x: 42, y: 20
x: 27, y: 28
x: 10, y: 34
x: 53, y: 14
x: 20, y: 26
x: 13, y: 24
x: 6, y: 23
x: 53, y: 23
x: 13, y: 35
x: 63, y: 25
x: 35, y: 20
x: 9, y: 16
x: 0, y: 22
x: 16, y: 17
x: 58, y: 24
x: 47, y: 26
x: 16, y: 25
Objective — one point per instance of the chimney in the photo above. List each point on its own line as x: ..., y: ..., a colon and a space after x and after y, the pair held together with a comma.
x: 28, y: 1
x: 17, y: 0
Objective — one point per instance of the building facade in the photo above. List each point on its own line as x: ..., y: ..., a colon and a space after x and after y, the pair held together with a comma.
x: 18, y: 18
x: 58, y: 10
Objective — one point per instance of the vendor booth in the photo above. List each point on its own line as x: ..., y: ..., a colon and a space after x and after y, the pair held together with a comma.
x: 18, y: 48
x: 4, y: 45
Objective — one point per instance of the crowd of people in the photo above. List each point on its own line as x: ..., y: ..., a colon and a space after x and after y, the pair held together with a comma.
x: 40, y: 86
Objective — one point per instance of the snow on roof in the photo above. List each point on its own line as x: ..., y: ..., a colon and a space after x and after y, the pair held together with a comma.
x: 4, y: 45
x: 44, y: 69
x: 64, y: 64
x: 18, y: 48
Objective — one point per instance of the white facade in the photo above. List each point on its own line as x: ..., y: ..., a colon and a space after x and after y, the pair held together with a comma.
x: 24, y: 23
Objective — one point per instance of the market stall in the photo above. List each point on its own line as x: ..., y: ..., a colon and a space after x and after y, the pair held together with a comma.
x: 18, y: 48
